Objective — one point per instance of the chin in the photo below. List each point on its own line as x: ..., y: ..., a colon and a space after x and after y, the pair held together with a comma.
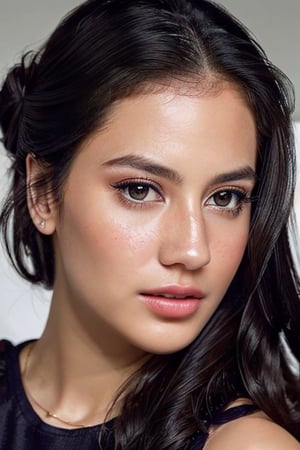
x: 167, y: 345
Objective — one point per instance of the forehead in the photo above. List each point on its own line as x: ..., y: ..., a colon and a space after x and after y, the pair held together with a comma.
x: 212, y: 127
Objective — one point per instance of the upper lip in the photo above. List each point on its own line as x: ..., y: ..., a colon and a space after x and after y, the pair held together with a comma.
x: 176, y: 291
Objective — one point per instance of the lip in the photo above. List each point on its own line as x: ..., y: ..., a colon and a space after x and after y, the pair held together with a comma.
x: 173, y: 307
x: 176, y: 290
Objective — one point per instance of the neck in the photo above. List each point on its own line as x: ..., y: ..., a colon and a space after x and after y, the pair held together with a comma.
x: 75, y: 375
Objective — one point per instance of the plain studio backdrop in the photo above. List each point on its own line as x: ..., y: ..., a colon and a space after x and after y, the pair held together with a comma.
x: 25, y: 24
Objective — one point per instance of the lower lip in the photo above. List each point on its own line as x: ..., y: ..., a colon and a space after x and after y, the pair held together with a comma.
x: 173, y: 308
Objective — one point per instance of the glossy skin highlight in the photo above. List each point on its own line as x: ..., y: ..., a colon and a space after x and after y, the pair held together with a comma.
x: 146, y: 209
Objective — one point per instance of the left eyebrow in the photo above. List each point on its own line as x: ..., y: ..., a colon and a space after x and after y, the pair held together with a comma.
x: 147, y: 165
x: 244, y: 173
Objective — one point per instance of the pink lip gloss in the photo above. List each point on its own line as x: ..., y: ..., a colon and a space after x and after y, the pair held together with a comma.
x: 173, y: 308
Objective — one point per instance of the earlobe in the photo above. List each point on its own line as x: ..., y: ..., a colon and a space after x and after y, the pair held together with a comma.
x: 41, y: 206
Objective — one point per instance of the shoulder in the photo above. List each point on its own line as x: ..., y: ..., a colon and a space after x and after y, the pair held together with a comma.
x: 254, y: 432
x: 7, y: 351
x: 4, y: 346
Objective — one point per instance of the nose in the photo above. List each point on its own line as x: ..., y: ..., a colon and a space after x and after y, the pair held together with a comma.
x: 185, y: 240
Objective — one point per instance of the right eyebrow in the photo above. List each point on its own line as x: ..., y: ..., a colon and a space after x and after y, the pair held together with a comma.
x: 147, y: 165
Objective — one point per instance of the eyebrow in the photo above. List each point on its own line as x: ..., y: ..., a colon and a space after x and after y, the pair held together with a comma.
x: 147, y: 165
x: 244, y: 173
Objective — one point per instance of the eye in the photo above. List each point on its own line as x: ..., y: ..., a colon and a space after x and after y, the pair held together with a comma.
x: 138, y: 191
x: 227, y: 199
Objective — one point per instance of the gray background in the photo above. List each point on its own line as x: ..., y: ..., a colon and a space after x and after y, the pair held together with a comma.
x: 24, y: 24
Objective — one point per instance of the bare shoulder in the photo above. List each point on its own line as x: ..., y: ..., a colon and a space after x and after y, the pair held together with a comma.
x: 254, y: 432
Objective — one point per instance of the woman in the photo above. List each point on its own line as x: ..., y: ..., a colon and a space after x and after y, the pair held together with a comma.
x: 152, y: 185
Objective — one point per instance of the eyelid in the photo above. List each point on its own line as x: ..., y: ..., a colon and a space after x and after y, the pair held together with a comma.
x: 139, y: 180
x: 121, y: 186
x: 235, y: 189
x: 243, y: 194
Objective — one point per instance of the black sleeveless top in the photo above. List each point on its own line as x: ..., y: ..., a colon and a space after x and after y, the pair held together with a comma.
x: 22, y: 429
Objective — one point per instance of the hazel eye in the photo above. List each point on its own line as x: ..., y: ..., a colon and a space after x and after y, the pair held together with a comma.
x: 226, y: 199
x: 138, y: 192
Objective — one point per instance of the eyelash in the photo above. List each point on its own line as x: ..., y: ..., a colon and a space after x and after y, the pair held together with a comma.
x: 134, y: 183
x: 242, y: 196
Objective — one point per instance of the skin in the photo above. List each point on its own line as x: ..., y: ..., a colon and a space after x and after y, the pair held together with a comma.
x: 112, y: 243
x: 112, y: 247
x: 254, y: 432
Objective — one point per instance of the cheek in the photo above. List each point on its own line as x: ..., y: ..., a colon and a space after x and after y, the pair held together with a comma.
x: 233, y: 248
x: 103, y: 237
x: 128, y: 236
x: 229, y: 248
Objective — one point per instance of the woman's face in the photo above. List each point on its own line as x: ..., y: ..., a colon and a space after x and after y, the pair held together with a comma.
x: 155, y: 217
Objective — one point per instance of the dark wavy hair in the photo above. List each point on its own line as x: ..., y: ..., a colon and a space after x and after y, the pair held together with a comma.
x: 106, y: 50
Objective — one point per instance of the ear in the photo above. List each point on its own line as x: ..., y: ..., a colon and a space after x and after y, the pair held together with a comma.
x: 41, y: 205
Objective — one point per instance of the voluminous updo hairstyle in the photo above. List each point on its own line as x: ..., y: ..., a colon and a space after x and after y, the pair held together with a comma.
x: 106, y: 50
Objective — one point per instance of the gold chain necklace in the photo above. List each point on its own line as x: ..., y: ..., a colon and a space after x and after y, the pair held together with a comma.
x: 48, y: 413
